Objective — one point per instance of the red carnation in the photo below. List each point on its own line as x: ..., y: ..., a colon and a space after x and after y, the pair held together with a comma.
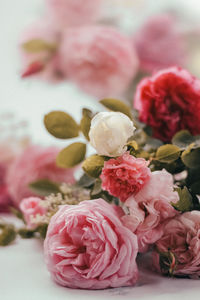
x: 169, y: 101
x: 125, y: 176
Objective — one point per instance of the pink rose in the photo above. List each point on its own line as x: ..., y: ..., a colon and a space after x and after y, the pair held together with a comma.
x: 9, y: 150
x: 149, y: 208
x: 124, y: 176
x: 181, y: 238
x: 31, y: 207
x: 99, y: 59
x: 33, y: 164
x: 168, y: 102
x: 88, y: 247
x: 65, y: 13
x: 159, y: 43
x: 5, y: 198
x: 44, y: 61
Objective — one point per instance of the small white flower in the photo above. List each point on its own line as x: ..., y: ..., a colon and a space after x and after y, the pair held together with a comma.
x: 109, y: 133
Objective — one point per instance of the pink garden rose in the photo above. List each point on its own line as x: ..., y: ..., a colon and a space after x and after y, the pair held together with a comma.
x: 169, y: 101
x: 124, y: 176
x: 88, y: 247
x: 182, y: 239
x: 99, y: 59
x: 35, y: 163
x: 40, y: 57
x: 65, y: 13
x: 9, y: 150
x: 159, y: 43
x: 149, y: 208
x: 5, y: 198
x: 31, y: 207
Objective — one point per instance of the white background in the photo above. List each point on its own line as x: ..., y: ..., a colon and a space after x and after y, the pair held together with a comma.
x: 23, y: 274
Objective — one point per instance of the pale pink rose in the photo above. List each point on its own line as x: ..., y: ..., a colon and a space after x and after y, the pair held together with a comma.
x: 35, y: 163
x: 43, y: 63
x: 159, y: 43
x: 99, y: 59
x: 149, y: 208
x: 88, y: 247
x: 9, y: 150
x: 5, y: 198
x: 65, y: 13
x: 31, y: 207
x: 182, y: 239
x: 124, y: 176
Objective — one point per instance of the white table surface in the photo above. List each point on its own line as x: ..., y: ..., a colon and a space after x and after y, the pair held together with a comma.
x: 23, y: 274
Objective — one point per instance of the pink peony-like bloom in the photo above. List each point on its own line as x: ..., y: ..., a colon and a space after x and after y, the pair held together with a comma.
x: 31, y: 207
x: 149, y: 208
x: 40, y: 57
x: 169, y: 101
x: 181, y: 238
x: 88, y: 247
x: 65, y: 13
x: 35, y: 163
x: 99, y: 59
x: 159, y: 43
x: 125, y: 176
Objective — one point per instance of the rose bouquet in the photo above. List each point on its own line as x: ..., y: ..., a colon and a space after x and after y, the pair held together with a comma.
x: 139, y: 191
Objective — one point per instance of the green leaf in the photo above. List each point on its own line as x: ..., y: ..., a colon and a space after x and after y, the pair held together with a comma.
x: 117, y: 105
x: 61, y: 125
x: 26, y: 233
x: 93, y: 165
x: 132, y: 145
x: 183, y: 139
x: 195, y: 187
x: 152, y: 144
x: 44, y: 187
x: 86, y: 122
x: 16, y: 212
x: 168, y: 153
x: 38, y: 45
x: 7, y: 234
x: 42, y: 230
x: 71, y: 155
x: 185, y: 200
x: 96, y: 191
x: 191, y: 157
x: 140, y: 137
x: 85, y: 181
x: 168, y: 262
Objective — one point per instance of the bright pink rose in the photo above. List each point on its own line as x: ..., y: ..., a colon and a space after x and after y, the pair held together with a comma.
x: 124, y: 176
x: 65, y: 13
x: 169, y: 101
x: 159, y: 43
x: 181, y: 238
x: 31, y: 207
x: 149, y: 208
x: 44, y: 61
x: 99, y: 59
x: 33, y: 164
x: 88, y: 247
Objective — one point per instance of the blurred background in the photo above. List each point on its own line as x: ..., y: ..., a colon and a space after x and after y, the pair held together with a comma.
x: 162, y: 33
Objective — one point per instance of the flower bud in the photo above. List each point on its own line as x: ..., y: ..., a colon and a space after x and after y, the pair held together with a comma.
x: 109, y: 133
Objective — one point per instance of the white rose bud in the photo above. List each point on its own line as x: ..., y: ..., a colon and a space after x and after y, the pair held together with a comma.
x: 109, y: 133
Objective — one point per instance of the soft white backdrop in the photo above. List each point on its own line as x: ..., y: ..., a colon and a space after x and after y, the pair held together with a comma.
x: 23, y: 274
